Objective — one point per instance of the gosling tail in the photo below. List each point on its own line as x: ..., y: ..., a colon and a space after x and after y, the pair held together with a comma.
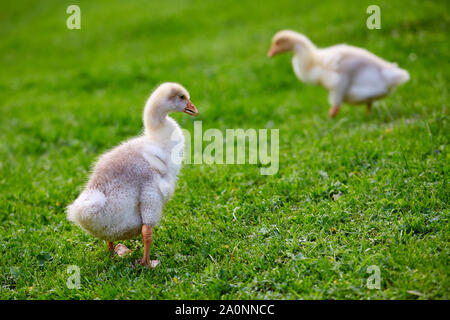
x: 395, y: 76
x: 88, y: 203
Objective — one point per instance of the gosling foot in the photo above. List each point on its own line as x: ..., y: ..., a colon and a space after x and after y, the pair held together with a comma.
x: 121, y: 250
x: 151, y: 263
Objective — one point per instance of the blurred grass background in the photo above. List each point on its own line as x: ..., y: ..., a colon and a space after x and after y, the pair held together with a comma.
x: 352, y: 192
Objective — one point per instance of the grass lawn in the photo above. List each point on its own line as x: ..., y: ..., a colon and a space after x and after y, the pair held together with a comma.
x: 356, y: 191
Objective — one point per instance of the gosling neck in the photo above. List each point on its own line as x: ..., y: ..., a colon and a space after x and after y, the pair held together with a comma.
x: 158, y: 126
x: 154, y: 118
x: 304, y: 48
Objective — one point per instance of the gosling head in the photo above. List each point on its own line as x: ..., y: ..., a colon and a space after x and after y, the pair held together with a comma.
x: 287, y: 40
x: 168, y: 97
x: 171, y: 97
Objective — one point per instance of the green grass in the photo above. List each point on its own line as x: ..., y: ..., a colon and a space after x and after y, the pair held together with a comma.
x: 352, y: 192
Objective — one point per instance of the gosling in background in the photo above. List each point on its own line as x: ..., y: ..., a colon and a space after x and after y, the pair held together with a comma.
x: 350, y: 74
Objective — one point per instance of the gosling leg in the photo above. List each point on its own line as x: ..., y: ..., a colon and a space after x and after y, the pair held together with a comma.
x: 369, y: 106
x: 147, y: 238
x: 333, y: 111
x: 110, y: 246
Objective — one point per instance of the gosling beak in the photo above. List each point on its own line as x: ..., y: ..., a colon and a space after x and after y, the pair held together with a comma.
x: 191, y: 109
x: 273, y: 51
